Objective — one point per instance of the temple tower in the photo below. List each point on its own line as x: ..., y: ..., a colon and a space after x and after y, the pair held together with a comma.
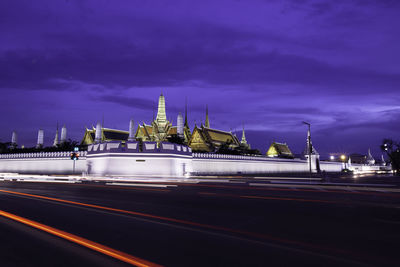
x: 40, y: 139
x: 63, y: 134
x: 161, y: 114
x: 161, y: 125
x: 131, y: 131
x: 243, y: 142
x: 55, y: 142
x: 207, y: 123
x: 186, y: 119
x: 98, y: 133
x: 14, y: 140
x: 370, y: 158
x: 180, y: 125
x: 186, y: 129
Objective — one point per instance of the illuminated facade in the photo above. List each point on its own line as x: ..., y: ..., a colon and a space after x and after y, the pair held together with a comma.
x: 105, y: 136
x: 160, y: 129
x: 209, y: 140
x: 279, y: 150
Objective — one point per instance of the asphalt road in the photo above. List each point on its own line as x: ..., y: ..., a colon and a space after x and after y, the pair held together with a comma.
x: 244, y: 222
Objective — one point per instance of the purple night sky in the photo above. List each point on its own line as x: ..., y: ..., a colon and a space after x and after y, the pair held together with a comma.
x: 266, y: 64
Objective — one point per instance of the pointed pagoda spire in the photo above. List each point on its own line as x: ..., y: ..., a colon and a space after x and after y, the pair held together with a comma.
x: 14, y: 139
x: 179, y: 123
x: 98, y: 133
x: 131, y: 131
x: 63, y: 138
x: 207, y: 123
x: 161, y: 114
x: 370, y: 158
x: 40, y: 139
x: 243, y: 141
x: 55, y: 142
x: 186, y: 119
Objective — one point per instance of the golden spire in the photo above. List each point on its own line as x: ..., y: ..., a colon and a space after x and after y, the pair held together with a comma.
x: 161, y: 115
x: 207, y: 123
x: 243, y: 141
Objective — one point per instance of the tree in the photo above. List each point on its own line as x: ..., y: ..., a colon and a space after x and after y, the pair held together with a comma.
x: 175, y: 139
x: 4, y: 147
x: 392, y: 150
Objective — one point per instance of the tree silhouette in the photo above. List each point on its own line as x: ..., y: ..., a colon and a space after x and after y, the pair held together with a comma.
x: 392, y: 150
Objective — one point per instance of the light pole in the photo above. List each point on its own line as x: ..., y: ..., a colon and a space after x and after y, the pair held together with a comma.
x: 309, y: 145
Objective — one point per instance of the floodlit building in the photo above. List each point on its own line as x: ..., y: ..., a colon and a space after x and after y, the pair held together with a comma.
x: 160, y: 129
x: 279, y: 150
x: 206, y: 139
x: 104, y: 135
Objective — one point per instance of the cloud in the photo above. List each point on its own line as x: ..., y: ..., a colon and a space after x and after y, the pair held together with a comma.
x: 131, y: 102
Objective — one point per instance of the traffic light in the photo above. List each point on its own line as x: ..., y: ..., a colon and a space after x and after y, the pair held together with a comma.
x: 74, y: 156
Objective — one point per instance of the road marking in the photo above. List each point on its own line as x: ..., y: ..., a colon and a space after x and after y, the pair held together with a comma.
x: 320, y: 189
x: 144, y: 185
x: 294, y: 199
x: 81, y: 241
x: 128, y: 187
x: 350, y: 190
x: 273, y: 198
x: 381, y: 190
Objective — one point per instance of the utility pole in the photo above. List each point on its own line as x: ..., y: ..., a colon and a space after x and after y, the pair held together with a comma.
x: 309, y: 145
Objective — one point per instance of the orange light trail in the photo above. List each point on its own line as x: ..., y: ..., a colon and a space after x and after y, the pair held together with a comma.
x: 184, y: 222
x: 82, y: 241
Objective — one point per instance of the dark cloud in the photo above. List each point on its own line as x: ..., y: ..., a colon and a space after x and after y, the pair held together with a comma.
x: 132, y: 102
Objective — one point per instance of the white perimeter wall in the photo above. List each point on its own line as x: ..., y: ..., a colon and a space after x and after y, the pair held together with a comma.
x: 139, y: 164
x: 154, y: 164
x: 43, y: 165
x: 205, y: 164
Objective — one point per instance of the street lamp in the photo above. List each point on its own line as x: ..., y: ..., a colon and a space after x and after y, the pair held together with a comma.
x: 309, y: 145
x: 343, y: 158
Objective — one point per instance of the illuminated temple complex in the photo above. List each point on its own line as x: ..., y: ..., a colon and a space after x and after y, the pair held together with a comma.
x: 160, y: 149
x: 203, y: 138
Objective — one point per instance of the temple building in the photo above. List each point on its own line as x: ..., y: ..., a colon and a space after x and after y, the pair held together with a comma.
x: 202, y: 138
x: 206, y: 139
x: 279, y: 150
x: 160, y: 129
x: 104, y: 134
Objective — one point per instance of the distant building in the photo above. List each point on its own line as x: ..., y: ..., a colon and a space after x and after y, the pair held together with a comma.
x: 209, y: 140
x: 160, y: 129
x: 362, y: 159
x: 106, y: 135
x: 279, y: 150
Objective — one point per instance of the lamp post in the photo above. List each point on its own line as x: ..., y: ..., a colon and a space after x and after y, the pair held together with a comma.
x: 343, y: 158
x: 309, y: 145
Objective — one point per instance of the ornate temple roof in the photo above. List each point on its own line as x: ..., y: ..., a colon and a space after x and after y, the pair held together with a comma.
x: 107, y: 135
x: 206, y: 139
x: 220, y: 136
x: 279, y: 150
